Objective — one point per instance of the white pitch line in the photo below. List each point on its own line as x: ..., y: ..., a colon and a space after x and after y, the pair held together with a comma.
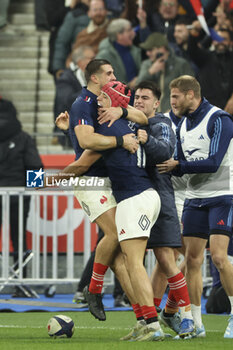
x: 77, y: 327
x: 84, y: 327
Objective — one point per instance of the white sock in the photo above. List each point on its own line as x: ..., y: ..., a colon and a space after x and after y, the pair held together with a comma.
x: 231, y: 301
x: 185, y: 314
x: 196, y: 312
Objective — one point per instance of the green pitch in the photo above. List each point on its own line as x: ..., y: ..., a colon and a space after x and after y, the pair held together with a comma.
x: 23, y: 331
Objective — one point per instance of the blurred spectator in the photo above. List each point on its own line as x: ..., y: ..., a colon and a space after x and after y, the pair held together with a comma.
x: 18, y: 153
x: 96, y: 29
x: 162, y: 66
x: 3, y: 13
x: 74, y: 21
x: 70, y: 83
x: 55, y: 11
x: 162, y: 21
x: 224, y: 18
x: 40, y: 15
x: 215, y: 69
x: 118, y: 49
x: 208, y: 7
x: 115, y: 7
x: 181, y: 35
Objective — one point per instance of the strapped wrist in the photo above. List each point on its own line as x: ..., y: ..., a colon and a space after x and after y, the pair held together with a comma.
x: 119, y: 141
x: 124, y: 112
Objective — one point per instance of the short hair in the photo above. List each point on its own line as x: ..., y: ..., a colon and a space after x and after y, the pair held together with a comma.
x: 117, y: 26
x: 150, y: 85
x: 78, y: 54
x: 94, y: 66
x: 185, y: 83
x: 183, y: 20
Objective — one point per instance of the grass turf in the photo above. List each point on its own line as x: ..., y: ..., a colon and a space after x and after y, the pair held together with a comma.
x: 28, y: 331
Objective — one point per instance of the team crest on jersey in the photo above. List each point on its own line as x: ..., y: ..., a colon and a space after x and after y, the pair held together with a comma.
x: 131, y: 125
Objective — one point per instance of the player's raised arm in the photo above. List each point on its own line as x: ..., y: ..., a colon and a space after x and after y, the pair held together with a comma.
x: 113, y: 113
x: 88, y: 139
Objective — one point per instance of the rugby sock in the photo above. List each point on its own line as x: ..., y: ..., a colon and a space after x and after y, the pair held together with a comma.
x: 149, y: 313
x: 179, y: 290
x: 157, y: 301
x: 231, y: 301
x: 171, y: 306
x: 97, y: 278
x: 138, y: 312
x: 196, y: 312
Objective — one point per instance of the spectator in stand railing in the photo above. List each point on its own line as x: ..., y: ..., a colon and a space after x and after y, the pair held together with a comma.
x: 96, y: 29
x: 18, y: 153
x: 74, y: 22
x: 56, y: 11
x: 162, y: 66
x: 118, y: 49
x: 70, y: 83
x: 215, y: 67
x: 181, y: 35
x: 161, y: 21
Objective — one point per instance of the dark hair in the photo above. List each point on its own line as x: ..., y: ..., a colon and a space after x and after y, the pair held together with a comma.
x: 183, y: 20
x: 93, y: 67
x: 150, y: 85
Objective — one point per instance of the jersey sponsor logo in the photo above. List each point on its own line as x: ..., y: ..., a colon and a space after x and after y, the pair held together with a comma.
x: 122, y: 232
x: 86, y: 208
x: 192, y: 151
x: 103, y: 199
x: 87, y: 99
x: 194, y: 159
x: 82, y: 122
x: 144, y: 222
x: 221, y: 222
x: 201, y: 137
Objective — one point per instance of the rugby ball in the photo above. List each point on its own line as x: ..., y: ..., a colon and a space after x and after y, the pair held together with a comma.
x: 60, y: 326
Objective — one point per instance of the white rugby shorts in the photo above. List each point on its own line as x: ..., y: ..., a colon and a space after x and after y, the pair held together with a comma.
x: 95, y: 200
x: 136, y: 215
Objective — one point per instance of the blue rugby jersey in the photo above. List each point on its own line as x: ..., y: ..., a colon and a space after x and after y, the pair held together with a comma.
x: 84, y: 111
x: 126, y: 171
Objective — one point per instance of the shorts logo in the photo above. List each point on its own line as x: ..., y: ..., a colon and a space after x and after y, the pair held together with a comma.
x: 122, y: 232
x: 86, y: 208
x: 144, y: 222
x: 221, y: 222
x: 103, y: 199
